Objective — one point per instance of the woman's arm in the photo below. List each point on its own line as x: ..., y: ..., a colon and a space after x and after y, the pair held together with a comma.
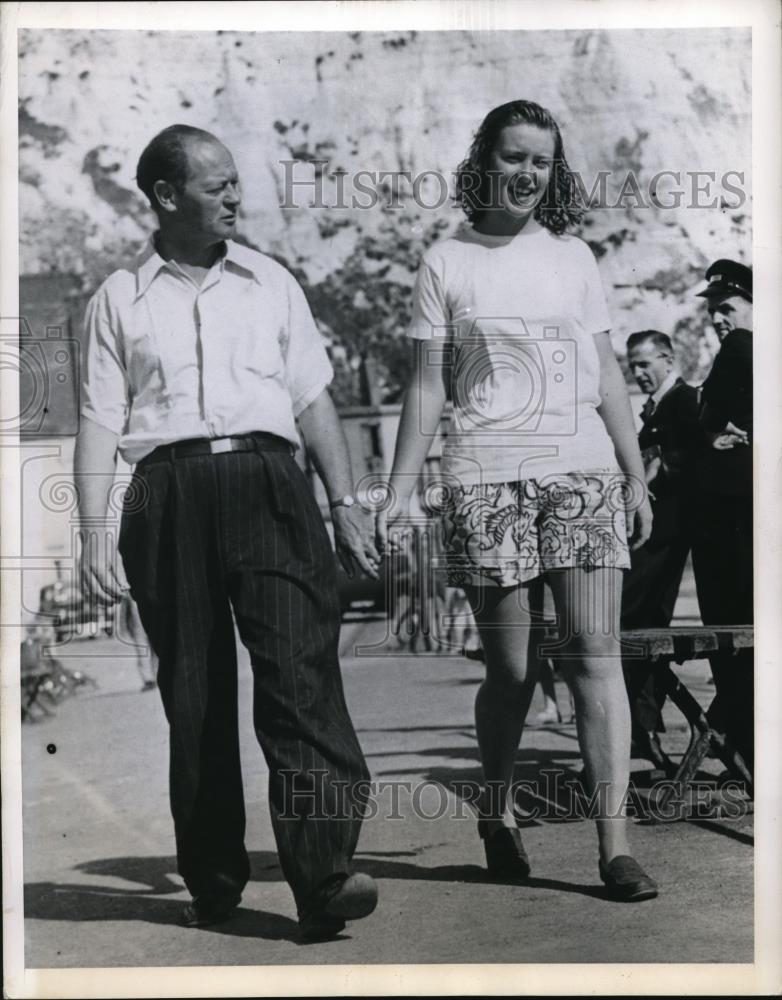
x: 618, y: 418
x: 419, y: 422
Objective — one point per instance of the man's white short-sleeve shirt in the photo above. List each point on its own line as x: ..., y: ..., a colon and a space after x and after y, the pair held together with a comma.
x: 167, y: 360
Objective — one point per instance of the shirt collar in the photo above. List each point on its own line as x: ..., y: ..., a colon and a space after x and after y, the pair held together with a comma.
x: 244, y: 258
x: 148, y: 266
x: 666, y: 385
x: 149, y: 263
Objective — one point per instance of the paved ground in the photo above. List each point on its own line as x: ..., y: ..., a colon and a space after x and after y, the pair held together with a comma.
x: 102, y: 890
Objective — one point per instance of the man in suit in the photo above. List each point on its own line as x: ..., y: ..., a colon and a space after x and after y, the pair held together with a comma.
x: 669, y: 439
x: 722, y: 544
x: 201, y: 359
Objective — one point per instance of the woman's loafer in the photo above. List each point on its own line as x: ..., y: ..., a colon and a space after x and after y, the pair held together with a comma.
x: 506, y: 858
x: 626, y: 881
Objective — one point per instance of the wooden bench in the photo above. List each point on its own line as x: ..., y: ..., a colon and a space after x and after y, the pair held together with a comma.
x: 677, y: 644
x: 666, y: 646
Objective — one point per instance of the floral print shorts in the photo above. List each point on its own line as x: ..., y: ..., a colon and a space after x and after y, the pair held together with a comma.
x: 504, y: 534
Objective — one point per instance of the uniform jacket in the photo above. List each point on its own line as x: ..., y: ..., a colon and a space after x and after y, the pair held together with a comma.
x: 673, y: 433
x: 727, y: 396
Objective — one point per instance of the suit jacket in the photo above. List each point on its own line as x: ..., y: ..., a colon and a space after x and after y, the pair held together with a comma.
x: 673, y: 433
x: 727, y: 396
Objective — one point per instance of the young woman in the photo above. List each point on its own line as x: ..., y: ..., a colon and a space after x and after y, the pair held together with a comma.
x: 541, y: 469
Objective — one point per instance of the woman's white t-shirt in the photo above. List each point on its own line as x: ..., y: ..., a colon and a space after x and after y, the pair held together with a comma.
x: 514, y: 318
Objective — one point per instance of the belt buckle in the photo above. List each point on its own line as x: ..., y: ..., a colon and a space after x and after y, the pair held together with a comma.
x: 218, y: 446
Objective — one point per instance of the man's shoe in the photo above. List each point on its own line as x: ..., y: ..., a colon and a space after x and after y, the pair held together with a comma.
x: 506, y: 858
x: 203, y: 911
x: 626, y: 881
x: 338, y: 899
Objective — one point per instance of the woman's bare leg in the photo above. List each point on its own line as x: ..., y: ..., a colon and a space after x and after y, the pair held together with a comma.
x: 588, y: 604
x: 503, y: 616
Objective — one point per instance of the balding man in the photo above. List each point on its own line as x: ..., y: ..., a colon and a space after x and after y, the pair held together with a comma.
x: 201, y: 357
x: 670, y: 439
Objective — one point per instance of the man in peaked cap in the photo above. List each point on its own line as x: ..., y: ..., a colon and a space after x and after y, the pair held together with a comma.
x: 728, y: 277
x: 722, y: 546
x: 728, y: 282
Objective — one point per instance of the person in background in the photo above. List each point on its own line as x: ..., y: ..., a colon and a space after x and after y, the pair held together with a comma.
x: 708, y: 346
x: 722, y: 552
x: 669, y: 439
x: 550, y: 714
x: 132, y: 629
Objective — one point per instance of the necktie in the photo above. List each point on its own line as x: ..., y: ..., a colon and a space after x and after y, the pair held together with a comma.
x: 647, y: 409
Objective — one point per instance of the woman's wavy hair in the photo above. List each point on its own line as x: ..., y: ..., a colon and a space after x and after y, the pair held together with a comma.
x: 561, y: 205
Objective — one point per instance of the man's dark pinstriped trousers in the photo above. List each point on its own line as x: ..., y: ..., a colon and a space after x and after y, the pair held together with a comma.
x: 201, y: 535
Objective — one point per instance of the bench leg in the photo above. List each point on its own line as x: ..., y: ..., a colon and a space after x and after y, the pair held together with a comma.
x: 732, y: 759
x: 703, y: 740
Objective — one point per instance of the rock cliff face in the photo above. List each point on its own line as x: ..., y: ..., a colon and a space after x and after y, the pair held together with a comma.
x: 640, y: 102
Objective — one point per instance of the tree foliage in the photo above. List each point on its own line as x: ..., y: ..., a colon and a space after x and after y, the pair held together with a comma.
x: 364, y: 306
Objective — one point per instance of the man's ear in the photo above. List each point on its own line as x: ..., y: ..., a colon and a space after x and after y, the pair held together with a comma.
x: 166, y: 196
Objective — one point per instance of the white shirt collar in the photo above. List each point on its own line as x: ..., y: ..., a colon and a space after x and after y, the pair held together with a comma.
x: 665, y: 386
x: 149, y: 263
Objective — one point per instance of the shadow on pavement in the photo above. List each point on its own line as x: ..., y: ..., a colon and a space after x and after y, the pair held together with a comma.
x: 530, y: 761
x: 550, y: 789
x: 49, y: 901
x: 546, y: 779
x: 467, y: 729
x: 87, y: 902
x: 726, y: 831
x: 390, y: 869
x: 70, y: 901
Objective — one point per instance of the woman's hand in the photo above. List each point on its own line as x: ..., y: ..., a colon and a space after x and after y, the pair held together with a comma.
x: 390, y: 524
x: 639, y: 523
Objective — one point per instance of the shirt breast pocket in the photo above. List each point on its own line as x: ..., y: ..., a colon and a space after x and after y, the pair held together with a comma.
x: 149, y: 356
x: 258, y: 336
x: 263, y: 353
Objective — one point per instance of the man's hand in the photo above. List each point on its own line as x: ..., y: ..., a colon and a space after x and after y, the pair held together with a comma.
x: 353, y: 532
x: 639, y: 524
x: 97, y: 570
x: 728, y: 437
